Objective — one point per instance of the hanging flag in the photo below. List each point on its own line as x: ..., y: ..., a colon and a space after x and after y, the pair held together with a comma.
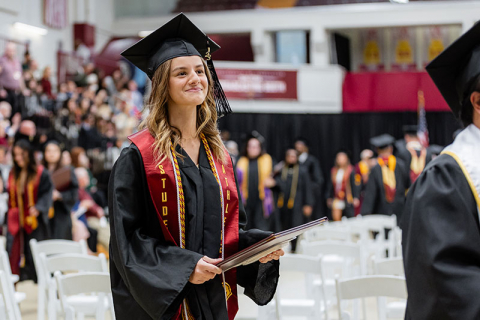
x: 422, y: 132
x: 55, y: 13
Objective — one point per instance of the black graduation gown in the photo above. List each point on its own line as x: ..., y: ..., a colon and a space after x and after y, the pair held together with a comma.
x: 288, y: 218
x: 61, y: 223
x: 254, y: 205
x: 441, y: 251
x: 375, y: 202
x: 43, y: 205
x: 312, y: 166
x: 149, y: 277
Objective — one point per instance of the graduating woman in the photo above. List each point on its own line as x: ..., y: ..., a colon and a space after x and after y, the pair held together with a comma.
x: 342, y: 190
x: 173, y: 196
x: 63, y: 199
x: 30, y: 190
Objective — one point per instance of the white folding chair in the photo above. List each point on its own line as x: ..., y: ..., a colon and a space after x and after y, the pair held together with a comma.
x: 7, y: 272
x: 50, y: 247
x: 7, y: 310
x: 66, y: 263
x: 369, y: 286
x: 85, y: 283
x: 315, y: 303
x: 391, y: 267
x: 328, y: 232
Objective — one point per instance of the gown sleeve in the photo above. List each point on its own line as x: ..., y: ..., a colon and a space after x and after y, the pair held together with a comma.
x: 259, y: 279
x: 44, y: 196
x: 155, y: 273
x: 440, y: 245
x: 371, y: 192
x: 70, y: 196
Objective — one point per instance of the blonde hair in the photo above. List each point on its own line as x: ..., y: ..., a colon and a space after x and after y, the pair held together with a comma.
x: 157, y: 119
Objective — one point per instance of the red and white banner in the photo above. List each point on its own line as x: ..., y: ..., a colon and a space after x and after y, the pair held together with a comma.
x: 55, y: 13
x: 372, y: 44
x: 404, y: 55
x: 249, y: 84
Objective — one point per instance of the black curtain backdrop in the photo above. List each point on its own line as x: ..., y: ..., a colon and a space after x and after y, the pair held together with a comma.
x: 327, y: 133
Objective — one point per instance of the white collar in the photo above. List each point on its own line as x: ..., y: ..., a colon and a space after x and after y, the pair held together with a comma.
x: 466, y: 148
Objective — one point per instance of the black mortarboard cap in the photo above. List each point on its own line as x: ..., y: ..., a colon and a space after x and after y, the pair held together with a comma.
x: 382, y: 141
x: 177, y: 38
x: 410, y: 129
x: 455, y: 69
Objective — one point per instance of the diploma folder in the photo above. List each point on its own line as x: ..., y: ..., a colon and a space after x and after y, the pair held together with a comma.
x: 268, y: 245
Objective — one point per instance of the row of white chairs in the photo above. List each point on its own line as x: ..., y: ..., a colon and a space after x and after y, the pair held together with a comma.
x: 324, y: 264
x: 68, y: 295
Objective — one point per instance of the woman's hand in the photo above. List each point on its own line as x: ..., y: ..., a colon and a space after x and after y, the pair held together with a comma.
x: 56, y: 195
x: 33, y: 212
x: 205, y: 270
x: 275, y: 255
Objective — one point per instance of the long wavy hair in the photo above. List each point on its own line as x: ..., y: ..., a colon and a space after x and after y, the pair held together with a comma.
x: 165, y: 134
x: 31, y: 165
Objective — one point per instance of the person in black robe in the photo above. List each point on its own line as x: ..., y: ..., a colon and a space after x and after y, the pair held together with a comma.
x: 150, y: 276
x: 315, y: 173
x: 254, y: 168
x: 413, y: 145
x: 30, y: 189
x: 293, y: 194
x: 441, y: 229
x: 387, y: 183
x: 63, y: 199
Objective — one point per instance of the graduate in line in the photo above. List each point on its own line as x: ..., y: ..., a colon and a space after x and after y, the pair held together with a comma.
x: 173, y: 198
x: 441, y: 229
x: 388, y: 181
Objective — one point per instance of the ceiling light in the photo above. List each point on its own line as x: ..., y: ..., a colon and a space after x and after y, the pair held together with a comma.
x: 29, y: 28
x: 143, y: 34
x: 399, y: 1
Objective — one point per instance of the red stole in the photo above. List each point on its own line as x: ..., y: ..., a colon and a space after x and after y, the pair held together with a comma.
x: 18, y: 216
x: 164, y: 191
x: 346, y: 188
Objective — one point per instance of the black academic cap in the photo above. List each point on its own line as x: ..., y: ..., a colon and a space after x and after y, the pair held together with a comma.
x: 177, y: 38
x: 382, y: 141
x: 435, y: 149
x: 455, y: 69
x: 410, y: 129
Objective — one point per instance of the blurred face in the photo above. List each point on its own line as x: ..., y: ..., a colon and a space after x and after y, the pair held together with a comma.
x: 300, y: 147
x: 83, y: 160
x: 291, y: 157
x: 20, y: 157
x: 52, y: 153
x: 342, y: 159
x: 132, y: 85
x: 188, y: 85
x: 10, y: 50
x: 254, y: 148
x: 72, y: 105
x: 66, y: 158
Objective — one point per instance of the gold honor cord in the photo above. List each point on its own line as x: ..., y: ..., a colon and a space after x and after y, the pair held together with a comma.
x: 181, y: 200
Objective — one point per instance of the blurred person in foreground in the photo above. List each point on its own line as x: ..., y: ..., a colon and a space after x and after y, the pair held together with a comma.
x: 441, y: 229
x: 312, y: 166
x: 342, y: 192
x: 166, y: 241
x: 30, y: 190
x: 388, y: 181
